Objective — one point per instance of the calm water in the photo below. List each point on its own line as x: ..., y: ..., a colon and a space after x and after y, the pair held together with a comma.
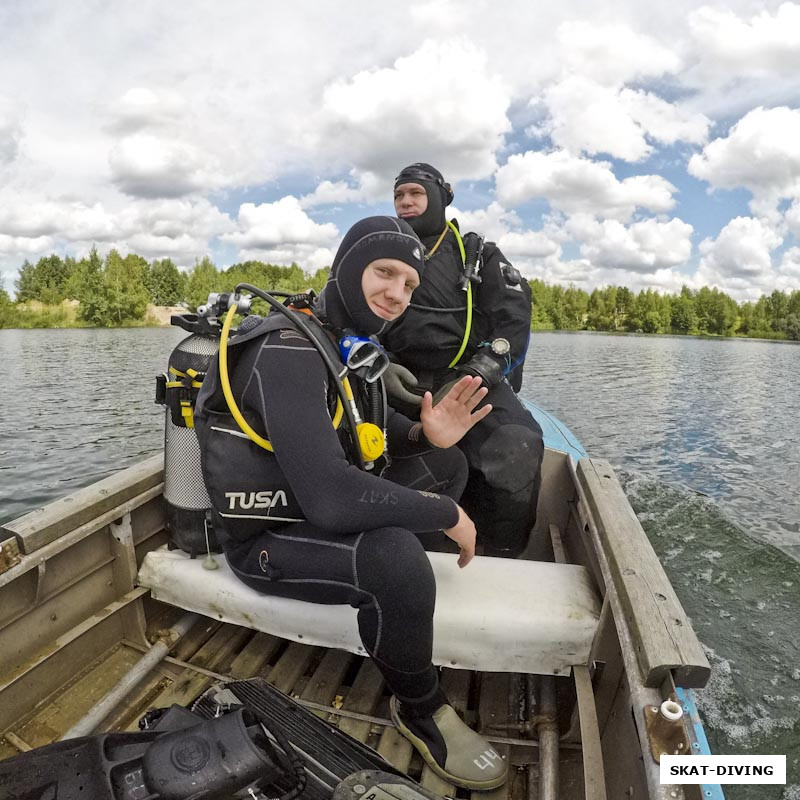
x: 703, y: 432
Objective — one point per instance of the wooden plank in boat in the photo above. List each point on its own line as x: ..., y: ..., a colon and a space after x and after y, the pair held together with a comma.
x: 197, y: 636
x: 395, y: 748
x: 212, y: 656
x: 324, y: 683
x: 257, y: 652
x: 291, y: 666
x: 665, y: 640
x: 593, y: 771
x: 362, y: 698
x: 42, y: 526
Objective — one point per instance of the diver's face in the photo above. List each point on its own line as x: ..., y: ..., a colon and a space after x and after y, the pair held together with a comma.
x: 410, y: 200
x: 387, y: 285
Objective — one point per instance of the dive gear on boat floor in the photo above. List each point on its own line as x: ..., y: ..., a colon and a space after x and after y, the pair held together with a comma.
x: 235, y: 736
x: 451, y: 748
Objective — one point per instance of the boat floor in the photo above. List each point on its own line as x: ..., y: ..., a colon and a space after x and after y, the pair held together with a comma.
x: 345, y: 689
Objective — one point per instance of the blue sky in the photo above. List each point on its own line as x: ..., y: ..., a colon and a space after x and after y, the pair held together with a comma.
x: 627, y: 143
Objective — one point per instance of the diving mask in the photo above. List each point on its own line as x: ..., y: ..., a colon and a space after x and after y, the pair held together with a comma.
x: 363, y: 356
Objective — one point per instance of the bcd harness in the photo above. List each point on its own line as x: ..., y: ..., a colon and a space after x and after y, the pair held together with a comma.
x: 368, y: 438
x: 470, y: 246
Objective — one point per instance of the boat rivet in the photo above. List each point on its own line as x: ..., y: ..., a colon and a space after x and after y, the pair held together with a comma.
x: 680, y: 745
x: 654, y: 709
x: 359, y: 788
x: 53, y: 617
x: 696, y: 745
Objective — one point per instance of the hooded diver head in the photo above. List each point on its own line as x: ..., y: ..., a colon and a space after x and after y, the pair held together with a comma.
x: 429, y: 221
x: 374, y: 242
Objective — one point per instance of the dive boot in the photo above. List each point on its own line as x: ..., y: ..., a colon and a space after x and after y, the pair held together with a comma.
x: 451, y: 748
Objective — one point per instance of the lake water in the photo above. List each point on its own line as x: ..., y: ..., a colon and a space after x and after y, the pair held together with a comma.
x: 704, y: 434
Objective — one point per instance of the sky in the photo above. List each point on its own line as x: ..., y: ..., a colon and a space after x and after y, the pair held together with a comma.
x: 648, y: 145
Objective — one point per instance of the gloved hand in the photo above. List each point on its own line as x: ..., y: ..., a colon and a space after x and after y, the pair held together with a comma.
x: 486, y: 366
x: 399, y: 381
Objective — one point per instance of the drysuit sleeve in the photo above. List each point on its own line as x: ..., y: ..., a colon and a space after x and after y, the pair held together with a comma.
x: 288, y: 390
x: 405, y: 437
x: 504, y: 299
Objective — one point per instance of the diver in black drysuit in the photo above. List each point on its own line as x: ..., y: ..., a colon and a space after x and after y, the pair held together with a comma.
x: 504, y: 451
x: 304, y: 522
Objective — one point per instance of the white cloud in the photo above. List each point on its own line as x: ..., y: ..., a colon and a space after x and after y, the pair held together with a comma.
x: 662, y: 121
x: 281, y: 232
x: 142, y: 107
x: 761, y: 153
x: 739, y: 260
x: 10, y: 132
x: 368, y: 188
x: 578, y: 185
x: 442, y: 102
x: 731, y: 46
x: 788, y: 277
x: 145, y: 165
x: 612, y: 54
x: 589, y: 117
x: 642, y: 247
x: 492, y: 222
x: 24, y: 245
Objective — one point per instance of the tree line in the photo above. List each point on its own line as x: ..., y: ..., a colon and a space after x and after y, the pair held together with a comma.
x: 116, y: 291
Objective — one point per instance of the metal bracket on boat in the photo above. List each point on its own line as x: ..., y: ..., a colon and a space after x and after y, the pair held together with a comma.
x: 9, y: 554
x: 665, y: 730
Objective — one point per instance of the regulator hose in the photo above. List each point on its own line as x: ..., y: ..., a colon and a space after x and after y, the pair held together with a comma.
x: 339, y: 375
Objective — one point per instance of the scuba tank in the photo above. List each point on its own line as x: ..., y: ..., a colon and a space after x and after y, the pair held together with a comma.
x: 188, y: 504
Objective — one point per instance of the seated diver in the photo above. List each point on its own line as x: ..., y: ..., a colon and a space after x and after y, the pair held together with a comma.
x: 330, y: 532
x: 472, y: 320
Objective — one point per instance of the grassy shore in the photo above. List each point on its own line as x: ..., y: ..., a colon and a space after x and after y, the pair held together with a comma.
x: 65, y: 315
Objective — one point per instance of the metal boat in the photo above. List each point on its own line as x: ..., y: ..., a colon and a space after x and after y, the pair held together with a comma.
x: 577, y: 659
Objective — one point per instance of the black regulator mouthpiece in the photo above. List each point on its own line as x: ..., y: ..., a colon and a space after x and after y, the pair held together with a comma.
x: 473, y: 259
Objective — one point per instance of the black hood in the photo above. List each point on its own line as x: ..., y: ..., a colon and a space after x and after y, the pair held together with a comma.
x: 440, y: 194
x: 342, y: 302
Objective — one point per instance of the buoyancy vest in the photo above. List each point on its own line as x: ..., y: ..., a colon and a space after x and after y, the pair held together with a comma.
x: 248, y: 490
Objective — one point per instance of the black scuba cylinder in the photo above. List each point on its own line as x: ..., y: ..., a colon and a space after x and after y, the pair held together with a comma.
x: 187, y: 501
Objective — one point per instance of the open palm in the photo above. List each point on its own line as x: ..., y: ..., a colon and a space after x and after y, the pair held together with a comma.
x: 445, y: 423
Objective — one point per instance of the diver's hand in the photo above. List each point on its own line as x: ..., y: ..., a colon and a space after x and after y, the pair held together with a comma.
x: 398, y: 381
x: 463, y: 534
x: 445, y: 423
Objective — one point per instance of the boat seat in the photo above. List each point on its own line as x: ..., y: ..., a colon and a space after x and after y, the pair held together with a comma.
x: 497, y: 615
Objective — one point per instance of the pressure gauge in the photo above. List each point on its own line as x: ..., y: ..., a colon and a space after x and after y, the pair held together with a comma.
x: 501, y: 347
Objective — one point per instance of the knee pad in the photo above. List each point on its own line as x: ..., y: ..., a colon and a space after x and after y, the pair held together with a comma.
x: 510, y: 458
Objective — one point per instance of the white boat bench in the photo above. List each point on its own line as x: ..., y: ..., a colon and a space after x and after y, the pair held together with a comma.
x: 496, y: 615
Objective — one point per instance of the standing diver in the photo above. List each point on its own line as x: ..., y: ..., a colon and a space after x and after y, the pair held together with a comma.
x: 300, y: 519
x: 470, y: 316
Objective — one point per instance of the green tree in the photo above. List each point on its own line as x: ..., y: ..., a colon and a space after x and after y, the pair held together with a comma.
x: 318, y: 280
x: 682, y: 316
x: 165, y: 284
x: 204, y: 279
x: 87, y: 287
x: 8, y: 311
x: 623, y: 305
x: 25, y: 284
x: 575, y: 305
x: 598, y: 315
x: 124, y: 293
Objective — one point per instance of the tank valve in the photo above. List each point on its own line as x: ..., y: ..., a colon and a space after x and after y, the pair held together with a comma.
x: 217, y: 304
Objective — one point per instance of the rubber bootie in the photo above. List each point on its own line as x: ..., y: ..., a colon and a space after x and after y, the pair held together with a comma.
x: 452, y: 749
